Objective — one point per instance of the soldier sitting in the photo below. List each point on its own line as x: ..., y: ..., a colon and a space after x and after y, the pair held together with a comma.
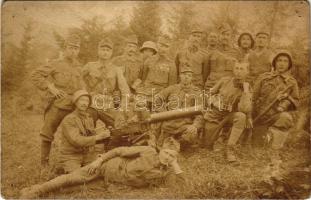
x: 78, y: 135
x: 135, y: 166
x: 276, y: 94
x: 180, y: 96
x: 230, y: 103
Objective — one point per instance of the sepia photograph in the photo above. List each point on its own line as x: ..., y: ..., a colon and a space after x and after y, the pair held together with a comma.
x: 155, y: 99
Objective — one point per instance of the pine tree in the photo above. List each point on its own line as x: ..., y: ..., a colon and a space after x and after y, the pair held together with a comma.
x: 146, y: 21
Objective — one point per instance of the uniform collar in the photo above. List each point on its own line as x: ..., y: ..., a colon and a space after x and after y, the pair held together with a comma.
x: 81, y: 114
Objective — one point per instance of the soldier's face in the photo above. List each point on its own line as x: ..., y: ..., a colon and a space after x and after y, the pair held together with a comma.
x: 225, y: 37
x: 212, y: 39
x: 71, y: 51
x: 131, y: 49
x: 82, y: 103
x: 246, y: 42
x: 195, y: 38
x: 163, y: 49
x: 104, y: 52
x: 186, y: 78
x: 261, y: 40
x: 240, y: 71
x: 282, y: 64
x: 147, y: 53
x: 166, y: 157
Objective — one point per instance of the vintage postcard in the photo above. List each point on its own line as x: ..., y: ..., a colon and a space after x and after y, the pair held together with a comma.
x: 155, y: 100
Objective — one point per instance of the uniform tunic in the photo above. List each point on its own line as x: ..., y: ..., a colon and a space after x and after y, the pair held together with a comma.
x: 130, y: 66
x: 259, y: 63
x: 160, y: 72
x: 196, y: 58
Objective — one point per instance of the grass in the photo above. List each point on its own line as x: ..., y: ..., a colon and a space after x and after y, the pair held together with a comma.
x: 207, y: 173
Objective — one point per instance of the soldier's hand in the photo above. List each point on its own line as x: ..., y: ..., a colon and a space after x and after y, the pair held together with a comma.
x: 103, y: 134
x: 94, y: 166
x: 249, y: 123
x: 280, y: 109
x: 56, y: 92
x: 191, y: 129
x: 282, y: 96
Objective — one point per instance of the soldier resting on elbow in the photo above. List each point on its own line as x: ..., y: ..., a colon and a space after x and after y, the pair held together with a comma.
x: 135, y: 166
x: 230, y: 104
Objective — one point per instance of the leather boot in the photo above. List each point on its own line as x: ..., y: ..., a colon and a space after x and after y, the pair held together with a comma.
x: 45, y: 152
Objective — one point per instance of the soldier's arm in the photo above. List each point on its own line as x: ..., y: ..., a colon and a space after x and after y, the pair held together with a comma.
x: 205, y: 68
x: 39, y: 77
x: 72, y: 134
x: 161, y: 98
x: 124, y: 152
x: 122, y: 86
x: 172, y: 79
x: 292, y: 100
x: 177, y: 63
x: 145, y: 70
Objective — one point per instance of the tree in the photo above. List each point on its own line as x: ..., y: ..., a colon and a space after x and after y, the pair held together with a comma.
x: 146, y: 21
x: 181, y: 20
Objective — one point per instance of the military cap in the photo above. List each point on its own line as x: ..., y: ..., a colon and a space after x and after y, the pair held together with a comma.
x: 282, y: 52
x: 263, y: 31
x: 196, y: 29
x: 171, y: 144
x: 164, y: 39
x: 73, y: 40
x: 132, y: 39
x: 106, y: 42
x: 79, y: 94
x: 149, y: 45
x: 185, y: 67
x: 224, y: 28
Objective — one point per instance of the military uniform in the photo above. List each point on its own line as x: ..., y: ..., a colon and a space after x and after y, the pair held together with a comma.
x: 134, y: 166
x: 266, y: 89
x: 259, y: 62
x: 66, y: 76
x: 77, y: 141
x: 196, y: 58
x: 161, y: 72
x: 180, y: 97
x: 230, y: 104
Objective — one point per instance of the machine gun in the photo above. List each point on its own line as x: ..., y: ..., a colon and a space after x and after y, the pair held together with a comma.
x: 134, y: 132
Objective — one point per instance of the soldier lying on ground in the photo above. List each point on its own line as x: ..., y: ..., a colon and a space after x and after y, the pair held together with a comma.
x: 134, y: 166
x: 78, y: 136
x: 230, y: 104
x: 276, y: 92
x: 180, y: 96
x: 60, y: 79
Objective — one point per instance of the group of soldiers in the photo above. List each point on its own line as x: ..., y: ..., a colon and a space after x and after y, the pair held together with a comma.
x: 248, y: 89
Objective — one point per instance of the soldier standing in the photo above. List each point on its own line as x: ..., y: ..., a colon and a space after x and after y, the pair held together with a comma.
x: 260, y: 59
x: 194, y: 56
x: 130, y: 62
x: 103, y: 79
x: 220, y: 62
x: 230, y: 104
x: 246, y: 44
x: 60, y: 79
x: 181, y: 96
x: 79, y: 135
x: 159, y: 70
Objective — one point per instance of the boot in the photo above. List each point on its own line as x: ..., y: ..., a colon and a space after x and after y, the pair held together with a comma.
x: 45, y: 152
x: 230, y: 156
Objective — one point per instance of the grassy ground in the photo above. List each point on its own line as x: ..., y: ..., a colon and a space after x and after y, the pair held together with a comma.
x: 207, y: 174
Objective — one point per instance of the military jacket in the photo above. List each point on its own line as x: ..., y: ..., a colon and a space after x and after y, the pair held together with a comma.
x: 269, y: 85
x: 197, y: 59
x: 160, y: 72
x: 101, y: 79
x: 65, y: 76
x: 135, y: 166
x: 130, y: 66
x: 259, y: 63
x: 77, y: 133
x: 220, y: 64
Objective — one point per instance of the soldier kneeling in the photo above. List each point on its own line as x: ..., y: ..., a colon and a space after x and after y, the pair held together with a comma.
x: 230, y: 104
